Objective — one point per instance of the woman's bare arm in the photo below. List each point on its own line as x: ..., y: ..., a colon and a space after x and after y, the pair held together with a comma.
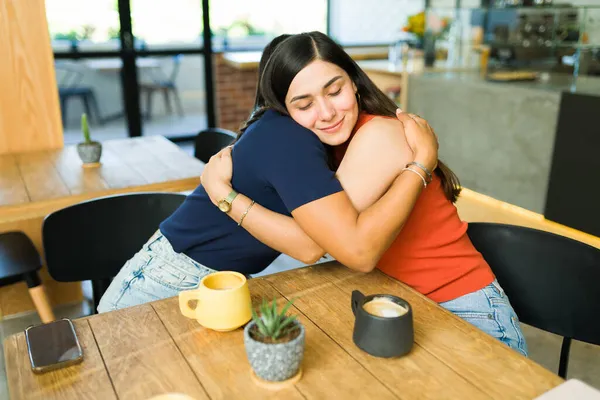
x: 334, y: 223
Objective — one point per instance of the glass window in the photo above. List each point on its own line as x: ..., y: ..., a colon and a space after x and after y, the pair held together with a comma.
x: 370, y: 22
x: 167, y: 24
x: 91, y: 25
x: 172, y: 95
x: 252, y: 24
x: 92, y: 86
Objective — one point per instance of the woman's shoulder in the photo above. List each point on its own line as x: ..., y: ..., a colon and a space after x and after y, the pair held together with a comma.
x: 272, y: 120
x: 380, y: 126
x: 275, y: 126
x: 383, y: 135
x: 275, y: 132
x: 381, y: 143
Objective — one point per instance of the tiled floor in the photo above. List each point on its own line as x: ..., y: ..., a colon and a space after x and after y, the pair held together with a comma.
x: 544, y: 348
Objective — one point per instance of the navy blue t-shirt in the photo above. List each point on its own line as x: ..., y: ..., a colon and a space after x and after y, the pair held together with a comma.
x: 277, y: 163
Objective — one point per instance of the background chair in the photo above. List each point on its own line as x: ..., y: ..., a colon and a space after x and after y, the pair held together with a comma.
x: 209, y: 141
x: 165, y: 84
x: 20, y: 261
x: 552, y: 281
x: 93, y: 240
x: 70, y: 86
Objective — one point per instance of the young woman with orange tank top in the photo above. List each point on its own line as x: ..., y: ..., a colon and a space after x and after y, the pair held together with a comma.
x: 311, y: 79
x: 284, y: 167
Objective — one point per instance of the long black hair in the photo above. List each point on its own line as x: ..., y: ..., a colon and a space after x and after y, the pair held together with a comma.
x: 259, y: 101
x: 295, y: 52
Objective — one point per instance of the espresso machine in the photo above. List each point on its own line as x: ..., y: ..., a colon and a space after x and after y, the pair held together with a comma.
x: 529, y: 37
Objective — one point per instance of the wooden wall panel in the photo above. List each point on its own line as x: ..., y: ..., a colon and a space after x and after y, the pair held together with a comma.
x: 29, y: 107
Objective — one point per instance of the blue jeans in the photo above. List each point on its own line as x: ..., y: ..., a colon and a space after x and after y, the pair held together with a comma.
x: 155, y: 272
x: 489, y: 310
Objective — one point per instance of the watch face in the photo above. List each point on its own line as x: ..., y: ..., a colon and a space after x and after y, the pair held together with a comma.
x: 224, y: 206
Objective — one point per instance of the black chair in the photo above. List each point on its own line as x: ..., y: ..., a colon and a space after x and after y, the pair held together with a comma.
x: 70, y: 87
x: 93, y: 240
x: 165, y: 84
x: 209, y: 141
x: 552, y: 281
x: 20, y: 261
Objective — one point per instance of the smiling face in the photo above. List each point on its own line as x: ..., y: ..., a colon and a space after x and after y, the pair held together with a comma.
x: 322, y: 98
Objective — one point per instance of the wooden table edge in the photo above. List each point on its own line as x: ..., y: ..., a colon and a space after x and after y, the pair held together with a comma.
x: 42, y: 208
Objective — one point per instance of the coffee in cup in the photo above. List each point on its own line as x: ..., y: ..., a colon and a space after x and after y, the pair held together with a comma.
x: 384, y: 307
x: 383, y: 325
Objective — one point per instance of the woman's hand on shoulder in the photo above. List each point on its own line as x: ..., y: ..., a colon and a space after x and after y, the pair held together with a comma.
x: 216, y: 176
x: 421, y: 138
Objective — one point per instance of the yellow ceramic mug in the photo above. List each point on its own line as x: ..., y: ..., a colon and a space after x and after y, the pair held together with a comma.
x: 223, y: 301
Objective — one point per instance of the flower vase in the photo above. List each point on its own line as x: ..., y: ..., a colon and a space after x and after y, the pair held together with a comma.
x: 429, y: 49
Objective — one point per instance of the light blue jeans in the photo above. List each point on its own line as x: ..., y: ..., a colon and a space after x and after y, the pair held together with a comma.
x: 155, y: 272
x: 489, y: 310
x: 158, y: 272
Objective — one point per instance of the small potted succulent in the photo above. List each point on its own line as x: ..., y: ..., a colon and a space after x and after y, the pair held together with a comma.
x: 89, y: 151
x: 274, y: 344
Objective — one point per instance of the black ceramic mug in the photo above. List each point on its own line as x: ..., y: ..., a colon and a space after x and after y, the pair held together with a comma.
x: 382, y: 336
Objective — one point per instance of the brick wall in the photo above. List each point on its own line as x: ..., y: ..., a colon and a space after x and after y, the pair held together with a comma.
x: 234, y: 93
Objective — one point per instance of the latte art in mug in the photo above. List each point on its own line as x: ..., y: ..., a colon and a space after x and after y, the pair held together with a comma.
x: 384, y: 324
x: 383, y: 307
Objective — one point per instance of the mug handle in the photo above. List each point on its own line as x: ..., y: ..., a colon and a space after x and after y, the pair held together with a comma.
x: 357, y: 298
x: 184, y: 303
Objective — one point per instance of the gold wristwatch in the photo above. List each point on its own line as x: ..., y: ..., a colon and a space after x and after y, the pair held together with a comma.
x: 225, y: 204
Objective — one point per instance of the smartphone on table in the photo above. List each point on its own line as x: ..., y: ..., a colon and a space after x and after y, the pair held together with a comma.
x: 53, y: 345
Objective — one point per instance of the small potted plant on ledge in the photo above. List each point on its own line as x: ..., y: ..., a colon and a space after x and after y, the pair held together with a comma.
x: 274, y: 344
x: 89, y: 151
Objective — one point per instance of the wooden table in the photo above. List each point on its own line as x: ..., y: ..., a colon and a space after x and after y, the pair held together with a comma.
x: 32, y: 185
x: 152, y: 349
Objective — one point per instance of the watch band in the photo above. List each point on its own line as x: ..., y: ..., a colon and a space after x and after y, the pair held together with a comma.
x: 231, y: 196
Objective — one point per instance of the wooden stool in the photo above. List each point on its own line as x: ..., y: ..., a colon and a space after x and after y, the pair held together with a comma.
x: 20, y: 261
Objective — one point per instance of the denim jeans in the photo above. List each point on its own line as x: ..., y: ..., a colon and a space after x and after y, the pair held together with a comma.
x: 155, y: 272
x: 489, y: 310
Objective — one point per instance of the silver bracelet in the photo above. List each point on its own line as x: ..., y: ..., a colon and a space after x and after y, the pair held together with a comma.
x: 420, y: 176
x: 424, y: 168
x: 246, y: 213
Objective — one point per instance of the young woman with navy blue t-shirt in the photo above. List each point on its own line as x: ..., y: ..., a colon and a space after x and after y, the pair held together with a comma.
x: 284, y: 167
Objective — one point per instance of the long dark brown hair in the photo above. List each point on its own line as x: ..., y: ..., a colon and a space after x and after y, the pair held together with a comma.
x: 293, y: 53
x: 259, y: 101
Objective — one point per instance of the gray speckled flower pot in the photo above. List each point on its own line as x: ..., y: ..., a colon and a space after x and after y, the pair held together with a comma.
x: 274, y: 362
x: 89, y: 152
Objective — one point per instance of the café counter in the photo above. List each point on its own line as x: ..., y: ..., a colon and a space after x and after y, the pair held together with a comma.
x: 531, y: 144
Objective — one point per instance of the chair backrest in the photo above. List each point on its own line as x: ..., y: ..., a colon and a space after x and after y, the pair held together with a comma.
x: 176, y: 66
x: 209, y: 141
x: 93, y: 240
x: 551, y: 281
x: 72, y: 74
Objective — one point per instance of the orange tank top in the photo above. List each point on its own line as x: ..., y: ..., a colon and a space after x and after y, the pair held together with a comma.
x: 432, y: 253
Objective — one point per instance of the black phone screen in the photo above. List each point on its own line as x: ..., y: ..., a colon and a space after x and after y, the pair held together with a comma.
x: 52, y: 343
